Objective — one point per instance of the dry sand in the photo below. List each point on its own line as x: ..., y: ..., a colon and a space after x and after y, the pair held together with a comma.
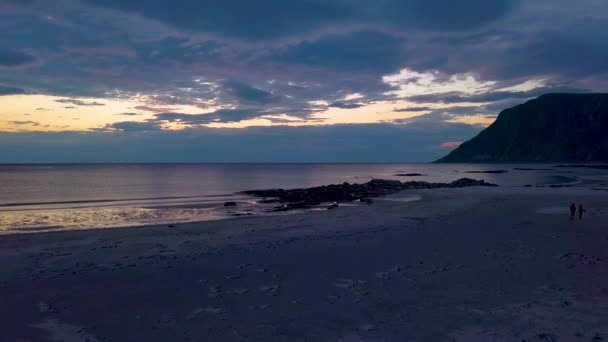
x: 473, y: 264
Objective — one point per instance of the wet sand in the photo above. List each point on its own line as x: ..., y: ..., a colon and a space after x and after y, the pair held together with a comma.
x: 472, y: 264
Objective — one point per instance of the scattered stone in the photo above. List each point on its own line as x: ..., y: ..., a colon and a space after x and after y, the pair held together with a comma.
x: 333, y: 206
x: 229, y: 204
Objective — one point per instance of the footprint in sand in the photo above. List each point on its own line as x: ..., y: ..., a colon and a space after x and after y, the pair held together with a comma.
x: 259, y: 307
x: 387, y: 275
x: 271, y: 290
x: 46, y: 308
x: 238, y: 292
x: 358, y: 288
x: 367, y: 327
x: 215, y: 291
x: 209, y: 310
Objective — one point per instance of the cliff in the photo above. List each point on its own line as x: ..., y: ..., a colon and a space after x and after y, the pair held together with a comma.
x: 551, y: 128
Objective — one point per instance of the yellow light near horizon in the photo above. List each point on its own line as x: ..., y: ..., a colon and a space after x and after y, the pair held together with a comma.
x: 44, y: 113
x: 32, y: 113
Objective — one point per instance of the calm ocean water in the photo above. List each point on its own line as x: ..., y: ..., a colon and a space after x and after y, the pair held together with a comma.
x: 75, y: 196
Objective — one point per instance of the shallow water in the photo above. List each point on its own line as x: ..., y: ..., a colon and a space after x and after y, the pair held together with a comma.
x: 49, y: 197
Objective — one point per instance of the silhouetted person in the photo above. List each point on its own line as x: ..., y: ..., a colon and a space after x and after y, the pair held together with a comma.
x: 572, y: 211
x: 580, y: 211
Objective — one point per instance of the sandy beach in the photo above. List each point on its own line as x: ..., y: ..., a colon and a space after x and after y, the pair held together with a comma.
x: 471, y: 264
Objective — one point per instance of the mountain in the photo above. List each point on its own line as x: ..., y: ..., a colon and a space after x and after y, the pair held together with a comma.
x: 551, y: 128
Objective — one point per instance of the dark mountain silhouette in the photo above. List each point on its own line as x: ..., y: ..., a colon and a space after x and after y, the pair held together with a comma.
x: 551, y: 128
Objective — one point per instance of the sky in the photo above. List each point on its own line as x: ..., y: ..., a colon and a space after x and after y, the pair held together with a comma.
x: 281, y: 81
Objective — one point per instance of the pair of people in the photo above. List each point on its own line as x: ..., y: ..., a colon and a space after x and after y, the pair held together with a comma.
x: 581, y: 210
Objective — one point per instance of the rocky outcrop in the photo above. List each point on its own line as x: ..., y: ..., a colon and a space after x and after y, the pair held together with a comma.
x: 346, y: 192
x: 551, y: 128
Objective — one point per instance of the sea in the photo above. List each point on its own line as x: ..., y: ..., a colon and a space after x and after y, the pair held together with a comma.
x: 48, y: 197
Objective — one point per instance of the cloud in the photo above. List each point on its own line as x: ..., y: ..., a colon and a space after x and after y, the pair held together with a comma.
x: 4, y: 90
x: 20, y: 123
x: 218, y: 116
x: 13, y: 58
x: 128, y: 114
x: 248, y: 94
x: 272, y: 19
x: 133, y: 126
x: 492, y: 96
x: 80, y: 102
x: 359, y: 51
x: 413, y: 109
x: 346, y: 105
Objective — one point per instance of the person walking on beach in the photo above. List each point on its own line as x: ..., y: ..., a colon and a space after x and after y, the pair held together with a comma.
x: 572, y: 211
x: 580, y: 211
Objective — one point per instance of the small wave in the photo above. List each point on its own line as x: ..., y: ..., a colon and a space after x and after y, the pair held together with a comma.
x: 21, y: 204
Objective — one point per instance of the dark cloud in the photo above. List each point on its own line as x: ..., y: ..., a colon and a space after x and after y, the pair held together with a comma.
x: 128, y: 114
x: 492, y: 96
x: 270, y: 19
x: 20, y: 123
x: 248, y: 94
x: 80, y: 102
x: 134, y: 126
x: 218, y: 116
x: 346, y: 105
x: 11, y: 91
x: 357, y: 51
x: 12, y: 58
x: 413, y: 109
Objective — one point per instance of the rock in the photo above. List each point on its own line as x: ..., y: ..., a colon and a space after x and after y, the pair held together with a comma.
x: 409, y: 175
x: 491, y: 171
x: 333, y: 206
x: 229, y: 204
x: 306, y: 198
x: 585, y: 166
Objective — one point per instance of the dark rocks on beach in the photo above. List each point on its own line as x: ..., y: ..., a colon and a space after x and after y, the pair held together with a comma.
x: 490, y: 171
x: 586, y: 166
x: 305, y: 198
x: 530, y: 169
x: 409, y: 175
x: 333, y: 206
x: 229, y: 204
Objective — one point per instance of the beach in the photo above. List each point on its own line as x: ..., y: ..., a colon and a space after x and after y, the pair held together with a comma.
x: 469, y: 264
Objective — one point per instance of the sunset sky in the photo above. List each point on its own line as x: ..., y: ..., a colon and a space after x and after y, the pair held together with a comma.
x: 280, y: 81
